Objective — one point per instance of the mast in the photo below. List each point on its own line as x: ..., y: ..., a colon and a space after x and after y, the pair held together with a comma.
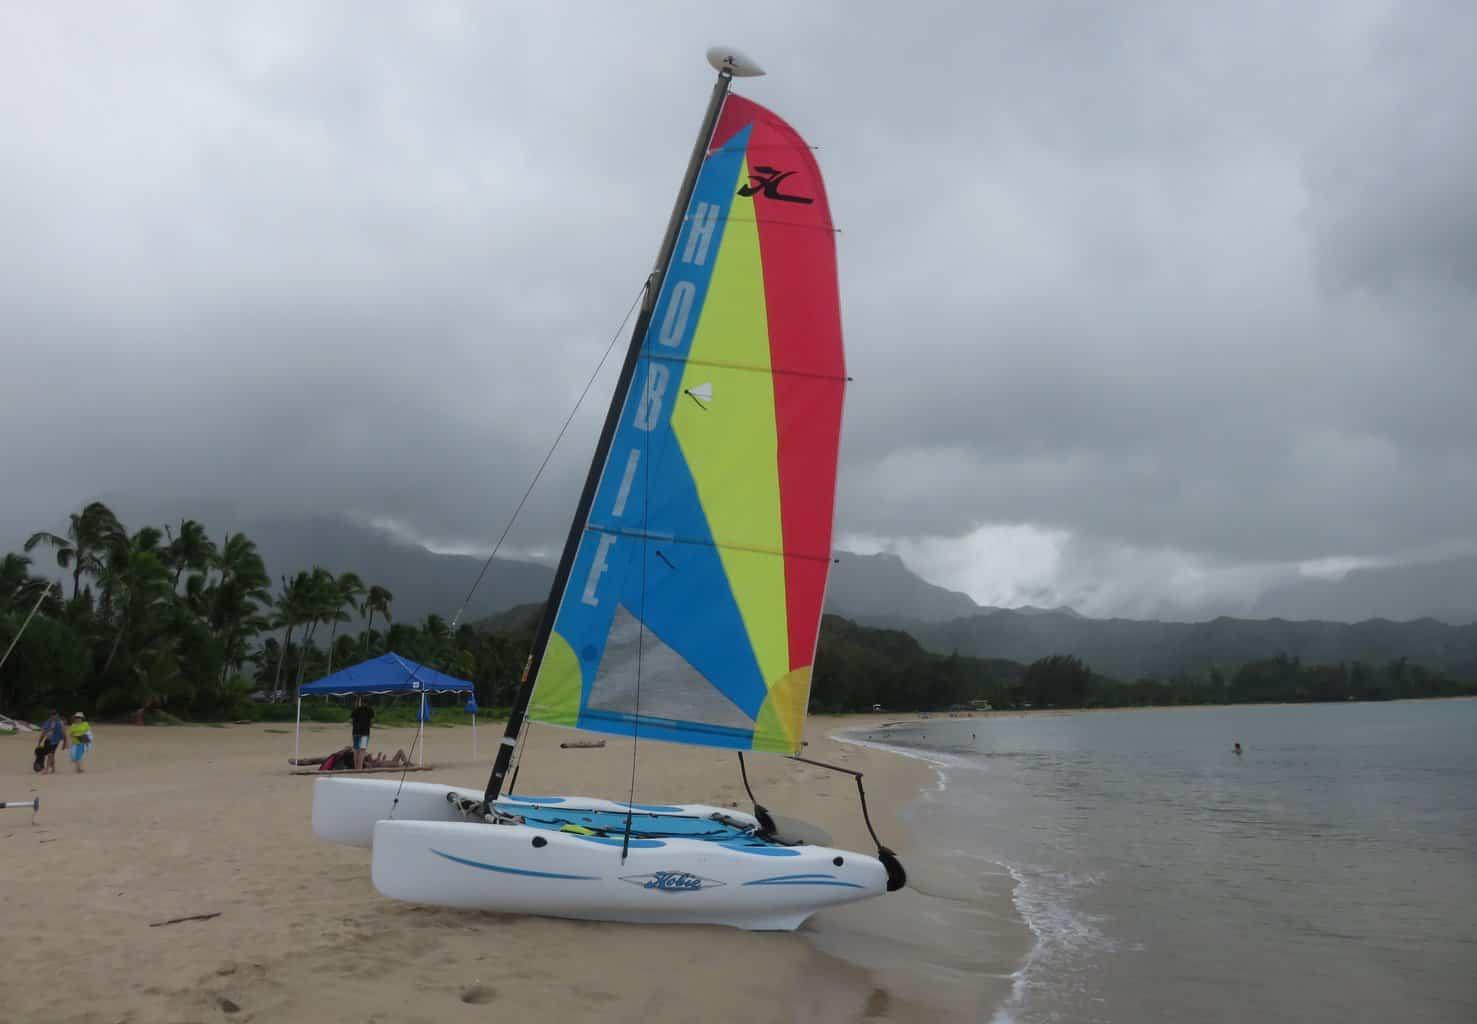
x: 729, y: 63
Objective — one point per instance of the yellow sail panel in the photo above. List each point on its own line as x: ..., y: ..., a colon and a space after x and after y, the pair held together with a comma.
x: 726, y: 428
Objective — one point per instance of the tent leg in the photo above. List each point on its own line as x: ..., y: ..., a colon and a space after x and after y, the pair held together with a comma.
x: 474, y: 735
x: 421, y: 731
x: 297, y: 732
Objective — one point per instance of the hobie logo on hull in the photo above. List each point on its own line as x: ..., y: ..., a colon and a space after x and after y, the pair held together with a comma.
x: 672, y: 881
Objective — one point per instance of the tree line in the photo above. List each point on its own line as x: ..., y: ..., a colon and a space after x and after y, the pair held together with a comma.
x: 169, y: 619
x: 166, y: 618
x: 858, y: 668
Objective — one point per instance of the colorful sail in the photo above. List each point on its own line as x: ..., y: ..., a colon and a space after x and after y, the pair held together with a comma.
x: 694, y: 602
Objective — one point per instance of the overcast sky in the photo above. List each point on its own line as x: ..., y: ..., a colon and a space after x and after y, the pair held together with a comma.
x: 1150, y: 306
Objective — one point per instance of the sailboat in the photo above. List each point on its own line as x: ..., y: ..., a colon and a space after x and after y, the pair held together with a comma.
x: 687, y: 602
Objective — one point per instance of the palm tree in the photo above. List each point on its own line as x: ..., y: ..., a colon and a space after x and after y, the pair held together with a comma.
x: 134, y: 583
x: 342, y: 649
x: 236, y: 595
x: 292, y: 607
x: 89, y: 534
x: 436, y: 641
x: 349, y: 588
x: 15, y: 576
x: 271, y: 651
x: 403, y: 638
x: 157, y: 679
x: 117, y: 552
x: 320, y: 604
x: 376, y: 600
x: 21, y: 594
x: 192, y: 549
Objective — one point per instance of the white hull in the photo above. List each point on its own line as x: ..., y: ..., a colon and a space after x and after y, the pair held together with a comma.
x: 427, y: 854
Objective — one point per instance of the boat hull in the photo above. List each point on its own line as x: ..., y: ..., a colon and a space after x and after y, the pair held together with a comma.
x: 345, y: 810
x: 426, y: 854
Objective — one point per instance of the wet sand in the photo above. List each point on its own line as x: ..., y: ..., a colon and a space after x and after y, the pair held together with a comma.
x: 170, y: 822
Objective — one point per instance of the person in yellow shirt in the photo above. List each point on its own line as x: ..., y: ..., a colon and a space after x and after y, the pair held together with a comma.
x: 80, y: 732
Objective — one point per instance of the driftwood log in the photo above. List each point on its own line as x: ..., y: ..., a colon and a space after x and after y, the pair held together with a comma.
x: 191, y: 917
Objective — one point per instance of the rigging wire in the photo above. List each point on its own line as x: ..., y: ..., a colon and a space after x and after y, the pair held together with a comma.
x: 641, y: 618
x: 526, y: 730
x: 549, y: 455
x: 455, y: 619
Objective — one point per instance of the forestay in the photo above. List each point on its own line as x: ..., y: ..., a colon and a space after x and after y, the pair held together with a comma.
x: 693, y: 605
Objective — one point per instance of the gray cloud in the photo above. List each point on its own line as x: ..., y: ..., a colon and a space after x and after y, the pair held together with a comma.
x: 1150, y: 278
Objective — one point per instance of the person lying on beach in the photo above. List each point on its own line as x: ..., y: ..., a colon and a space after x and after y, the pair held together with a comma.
x: 343, y: 760
x: 400, y: 760
x: 340, y: 759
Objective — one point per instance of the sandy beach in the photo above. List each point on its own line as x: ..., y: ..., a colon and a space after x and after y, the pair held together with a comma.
x: 170, y: 822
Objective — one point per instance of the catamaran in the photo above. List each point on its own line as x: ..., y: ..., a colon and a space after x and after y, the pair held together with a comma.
x: 686, y: 605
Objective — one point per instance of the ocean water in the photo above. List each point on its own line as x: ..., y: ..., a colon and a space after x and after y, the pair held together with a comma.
x: 1329, y: 873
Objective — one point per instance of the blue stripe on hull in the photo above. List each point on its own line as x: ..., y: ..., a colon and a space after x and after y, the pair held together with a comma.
x: 515, y: 871
x: 805, y: 879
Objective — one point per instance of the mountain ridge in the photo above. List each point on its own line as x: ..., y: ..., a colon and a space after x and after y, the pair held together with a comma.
x: 875, y: 590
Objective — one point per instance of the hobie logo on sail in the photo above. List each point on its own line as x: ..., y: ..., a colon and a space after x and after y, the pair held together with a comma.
x: 672, y: 881
x: 765, y: 181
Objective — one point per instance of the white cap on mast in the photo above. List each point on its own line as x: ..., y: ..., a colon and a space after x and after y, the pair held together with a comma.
x: 726, y: 58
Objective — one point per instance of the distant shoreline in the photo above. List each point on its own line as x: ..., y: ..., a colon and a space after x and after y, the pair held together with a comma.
x: 879, y: 718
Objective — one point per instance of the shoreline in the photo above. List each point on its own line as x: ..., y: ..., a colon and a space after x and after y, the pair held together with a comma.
x: 169, y: 822
x: 963, y: 942
x: 887, y: 719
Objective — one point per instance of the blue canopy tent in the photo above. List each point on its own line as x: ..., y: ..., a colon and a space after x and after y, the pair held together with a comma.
x: 389, y: 673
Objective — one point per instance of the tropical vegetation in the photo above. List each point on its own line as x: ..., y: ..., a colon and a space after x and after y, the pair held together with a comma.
x: 859, y: 668
x: 168, y: 619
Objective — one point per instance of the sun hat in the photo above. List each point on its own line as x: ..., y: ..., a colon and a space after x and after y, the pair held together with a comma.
x: 78, y: 714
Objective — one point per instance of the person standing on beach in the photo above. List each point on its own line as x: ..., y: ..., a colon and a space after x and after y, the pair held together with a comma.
x: 81, y: 735
x: 54, y: 732
x: 361, y: 717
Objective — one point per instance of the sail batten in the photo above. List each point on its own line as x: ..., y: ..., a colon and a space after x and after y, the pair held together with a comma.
x: 776, y: 371
x: 669, y: 538
x: 693, y: 604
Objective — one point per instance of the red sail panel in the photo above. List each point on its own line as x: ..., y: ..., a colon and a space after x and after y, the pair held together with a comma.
x: 798, y: 249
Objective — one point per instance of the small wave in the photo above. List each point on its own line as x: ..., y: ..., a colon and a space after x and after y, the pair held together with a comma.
x: 938, y: 761
x: 1064, y: 936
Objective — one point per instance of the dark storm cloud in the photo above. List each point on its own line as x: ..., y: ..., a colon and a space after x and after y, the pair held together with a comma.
x: 1181, y: 286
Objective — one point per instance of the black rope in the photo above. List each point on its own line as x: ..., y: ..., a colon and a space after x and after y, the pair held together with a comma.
x: 640, y: 623
x: 861, y: 792
x: 767, y: 826
x: 744, y: 773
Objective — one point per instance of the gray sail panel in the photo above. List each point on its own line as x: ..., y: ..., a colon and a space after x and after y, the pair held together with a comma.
x: 669, y: 686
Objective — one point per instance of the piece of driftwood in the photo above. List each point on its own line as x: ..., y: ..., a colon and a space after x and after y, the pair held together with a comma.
x: 192, y: 917
x: 581, y: 744
x: 362, y: 771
